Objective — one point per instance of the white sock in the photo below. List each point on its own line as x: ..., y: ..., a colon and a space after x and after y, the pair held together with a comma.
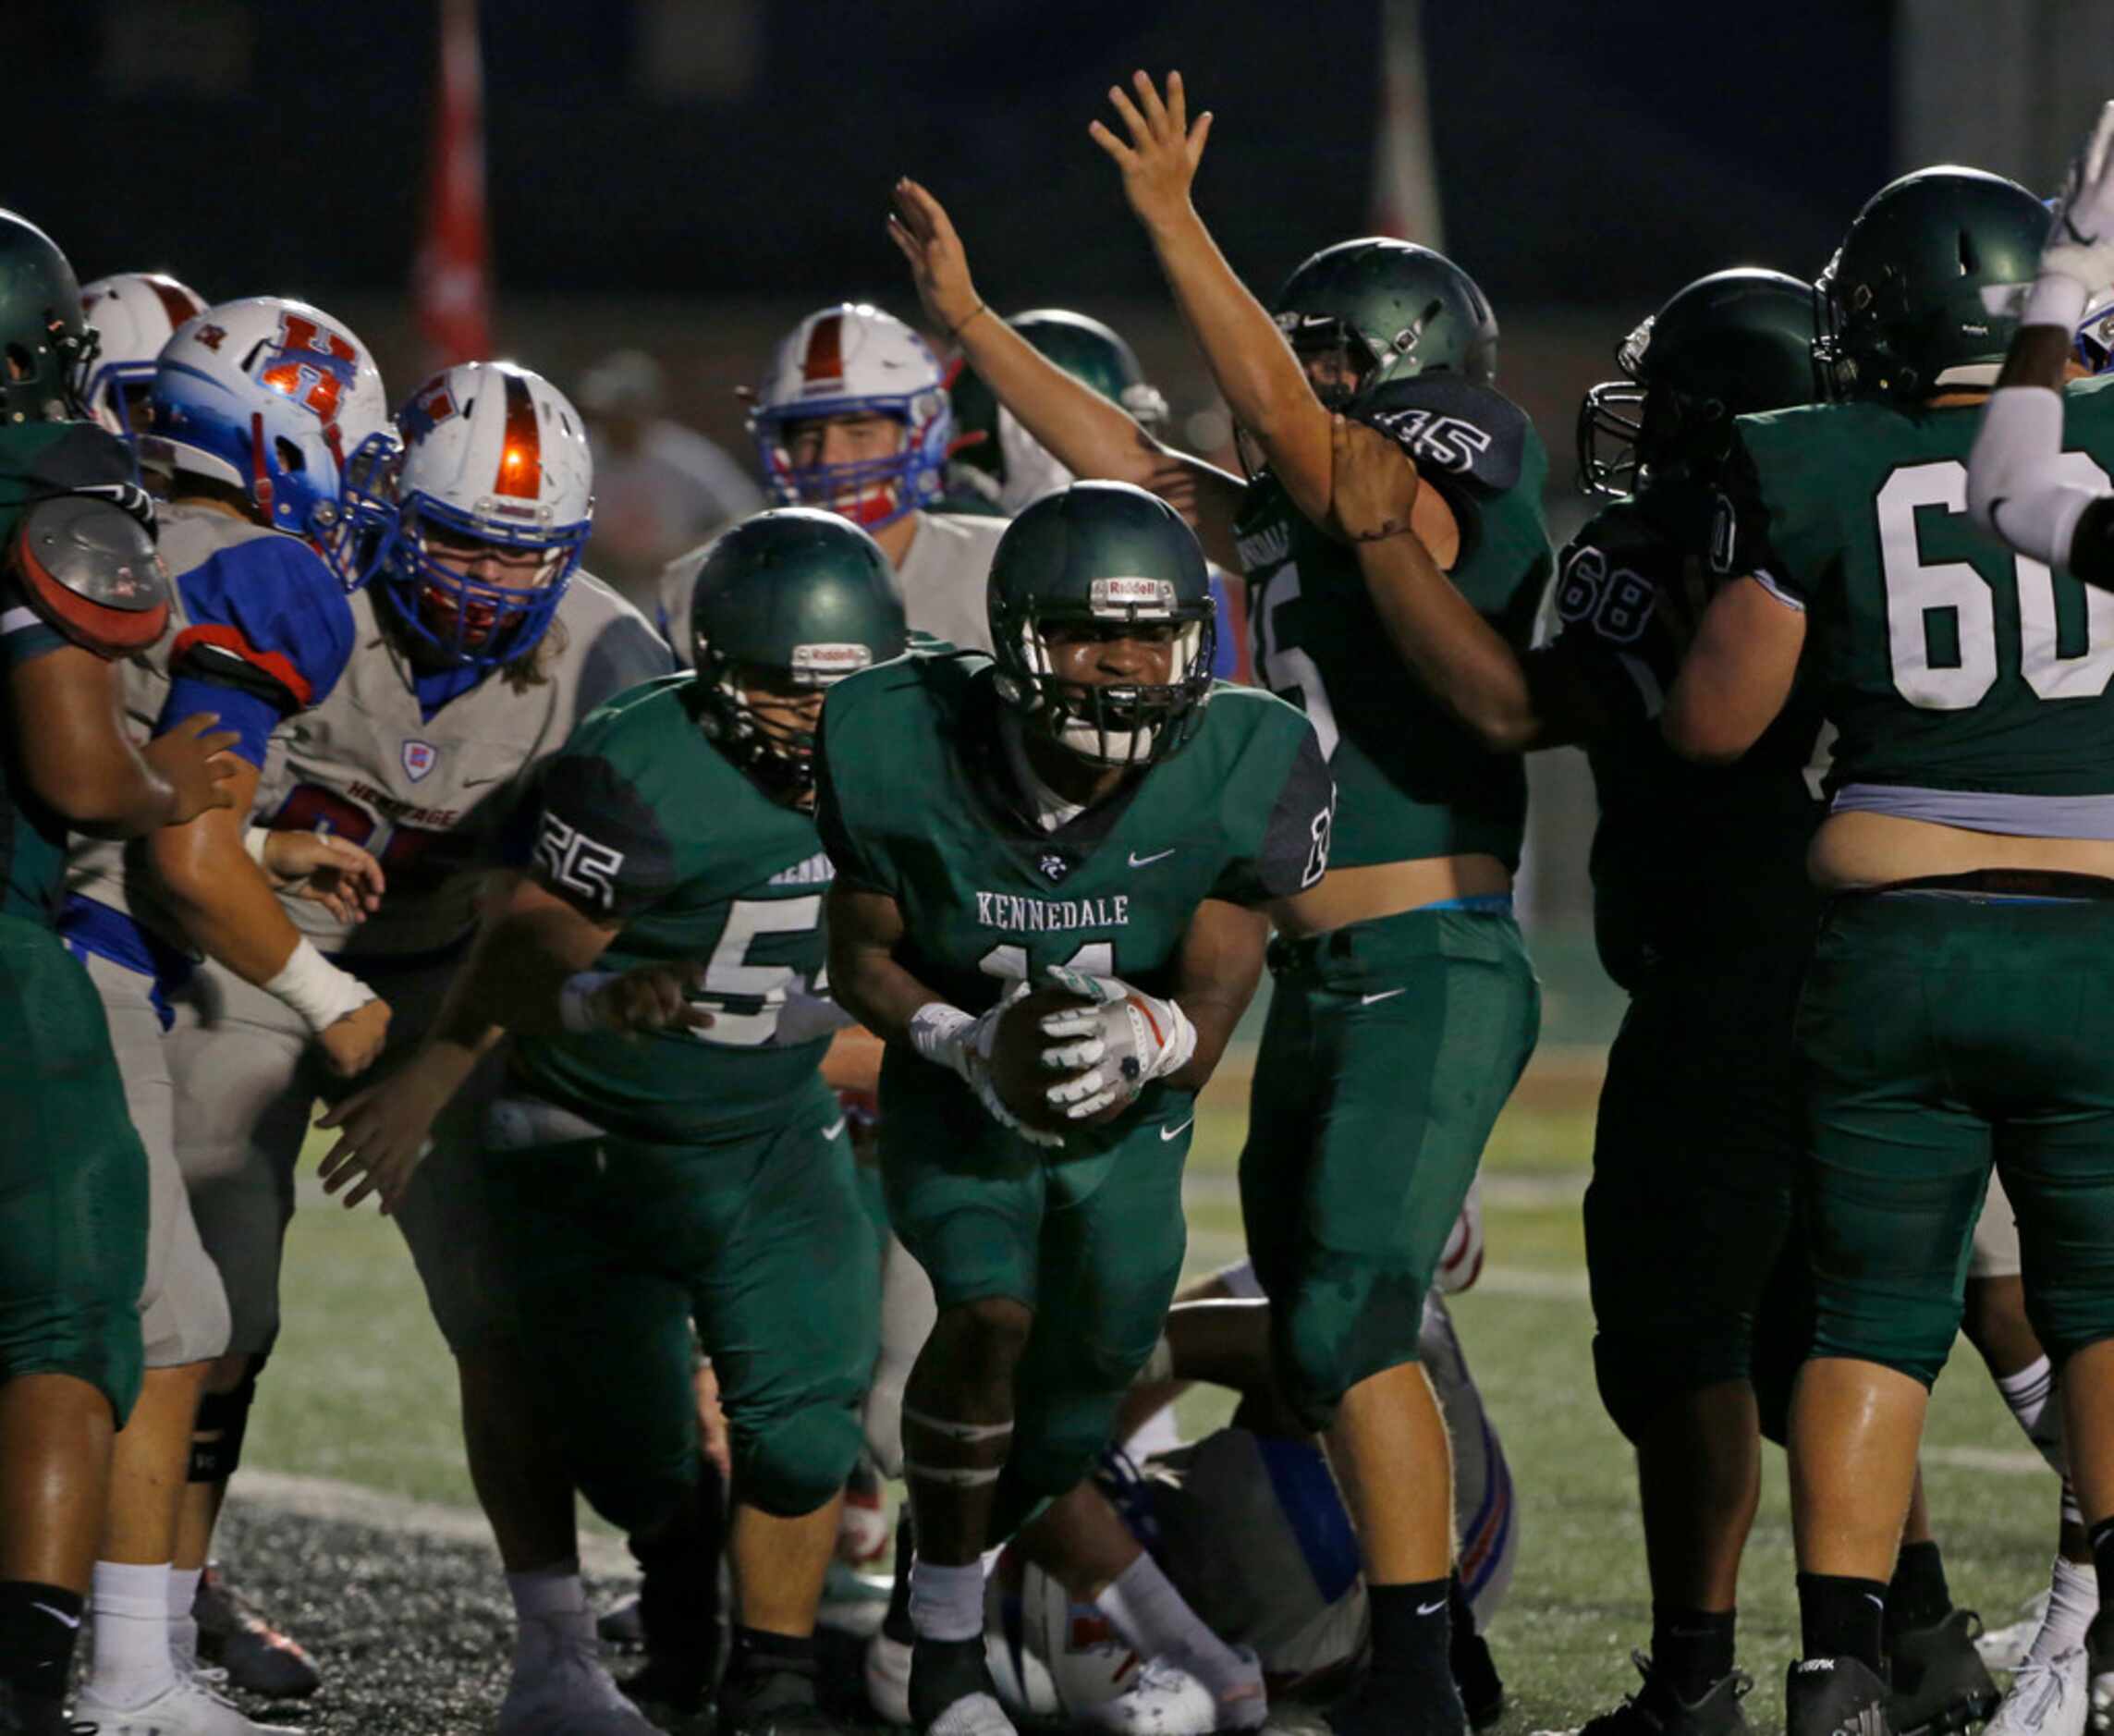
x: 2074, y: 1600
x: 2031, y: 1395
x: 130, y: 1664
x: 183, y: 1626
x: 1159, y: 1433
x: 551, y: 1597
x: 1153, y: 1617
x: 946, y: 1602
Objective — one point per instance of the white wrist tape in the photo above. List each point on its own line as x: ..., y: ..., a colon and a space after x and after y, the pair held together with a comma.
x: 576, y: 1010
x: 939, y: 1032
x: 2056, y: 299
x: 317, y: 989
x: 2012, y: 482
x: 254, y: 841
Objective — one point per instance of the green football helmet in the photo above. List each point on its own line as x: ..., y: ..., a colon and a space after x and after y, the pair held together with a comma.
x: 1731, y: 344
x: 996, y: 460
x: 47, y: 346
x: 796, y: 600
x: 1394, y: 310
x: 1919, y: 296
x: 1102, y: 555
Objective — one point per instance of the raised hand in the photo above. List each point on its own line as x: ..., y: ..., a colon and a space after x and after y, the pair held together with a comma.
x: 1159, y: 161
x: 2084, y: 214
x: 192, y: 759
x: 919, y: 225
x: 1374, y: 484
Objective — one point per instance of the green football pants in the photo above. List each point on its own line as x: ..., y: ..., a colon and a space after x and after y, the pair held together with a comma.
x: 1092, y: 1242
x: 613, y: 1248
x: 1942, y: 1034
x: 73, y: 1178
x: 1389, y: 1048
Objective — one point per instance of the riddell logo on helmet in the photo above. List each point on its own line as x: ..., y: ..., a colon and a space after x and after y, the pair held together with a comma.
x: 1132, y: 596
x: 829, y: 661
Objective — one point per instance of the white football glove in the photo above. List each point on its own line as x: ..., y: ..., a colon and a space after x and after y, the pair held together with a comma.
x: 962, y: 1044
x: 2080, y: 238
x: 1114, y: 1048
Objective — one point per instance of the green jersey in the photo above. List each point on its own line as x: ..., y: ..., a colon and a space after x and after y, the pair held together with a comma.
x: 1689, y: 864
x: 640, y: 821
x: 1412, y: 780
x: 39, y: 460
x: 1969, y: 684
x: 919, y: 799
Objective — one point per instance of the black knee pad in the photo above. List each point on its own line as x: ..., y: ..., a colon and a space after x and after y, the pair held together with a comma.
x: 226, y: 1416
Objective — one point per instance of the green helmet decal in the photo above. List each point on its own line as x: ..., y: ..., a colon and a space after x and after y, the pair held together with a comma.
x: 1398, y: 309
x: 997, y: 460
x: 1103, y: 557
x: 46, y: 343
x: 797, y: 598
x: 1731, y: 344
x: 1919, y: 296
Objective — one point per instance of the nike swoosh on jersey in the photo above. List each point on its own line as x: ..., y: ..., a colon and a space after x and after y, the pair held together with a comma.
x: 1176, y: 1132
x: 1147, y: 862
x: 834, y: 1127
x: 1386, y: 994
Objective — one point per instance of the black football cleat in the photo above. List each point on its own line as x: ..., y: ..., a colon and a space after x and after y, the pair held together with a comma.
x: 1941, y: 1683
x: 1835, y: 1697
x: 1657, y: 1709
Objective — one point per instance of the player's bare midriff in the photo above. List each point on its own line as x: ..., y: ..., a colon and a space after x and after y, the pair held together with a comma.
x: 1388, y: 888
x: 1868, y: 849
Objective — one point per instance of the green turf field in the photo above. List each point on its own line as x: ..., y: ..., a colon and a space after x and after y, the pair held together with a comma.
x: 362, y: 1390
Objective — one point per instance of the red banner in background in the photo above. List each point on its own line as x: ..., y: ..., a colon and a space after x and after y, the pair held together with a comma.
x: 451, y: 277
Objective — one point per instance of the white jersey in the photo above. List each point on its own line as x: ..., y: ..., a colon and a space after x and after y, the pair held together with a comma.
x: 942, y: 580
x: 431, y: 797
x: 259, y: 617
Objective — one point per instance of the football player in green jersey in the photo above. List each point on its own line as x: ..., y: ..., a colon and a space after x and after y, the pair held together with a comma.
x: 1088, y: 810
x: 1404, y: 1006
x: 80, y: 588
x: 668, y: 1152
x: 1969, y: 838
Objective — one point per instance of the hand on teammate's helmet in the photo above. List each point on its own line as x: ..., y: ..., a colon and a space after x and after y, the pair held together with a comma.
x: 2080, y: 238
x: 919, y: 225
x: 1160, y: 161
x: 192, y: 758
x: 1110, y: 1048
x: 1375, y: 484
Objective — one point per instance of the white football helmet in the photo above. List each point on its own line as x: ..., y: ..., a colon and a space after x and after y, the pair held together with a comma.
x: 281, y: 402
x: 2094, y: 332
x: 134, y: 314
x: 841, y: 360
x: 493, y: 454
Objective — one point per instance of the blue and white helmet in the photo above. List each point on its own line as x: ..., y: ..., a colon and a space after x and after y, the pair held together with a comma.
x: 2095, y: 336
x: 279, y: 401
x: 134, y: 314
x: 842, y: 360
x: 493, y: 453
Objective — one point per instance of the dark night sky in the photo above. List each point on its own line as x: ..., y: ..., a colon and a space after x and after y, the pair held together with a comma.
x: 1586, y: 154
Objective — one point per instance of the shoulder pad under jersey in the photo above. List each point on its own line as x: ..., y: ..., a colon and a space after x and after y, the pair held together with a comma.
x: 1452, y: 428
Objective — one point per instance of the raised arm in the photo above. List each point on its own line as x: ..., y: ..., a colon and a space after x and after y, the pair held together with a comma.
x: 1513, y: 703
x: 1260, y: 378
x: 2017, y: 485
x: 1089, y: 435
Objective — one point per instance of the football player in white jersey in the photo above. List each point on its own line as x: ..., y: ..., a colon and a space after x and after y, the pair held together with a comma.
x: 134, y: 312
x: 261, y: 409
x: 852, y: 415
x: 479, y: 644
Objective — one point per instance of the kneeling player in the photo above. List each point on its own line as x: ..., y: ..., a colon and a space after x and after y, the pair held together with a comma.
x: 1076, y: 812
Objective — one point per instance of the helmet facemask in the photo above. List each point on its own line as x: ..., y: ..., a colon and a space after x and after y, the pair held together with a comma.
x: 870, y: 492
x: 1113, y: 724
x: 775, y: 751
x: 454, y: 617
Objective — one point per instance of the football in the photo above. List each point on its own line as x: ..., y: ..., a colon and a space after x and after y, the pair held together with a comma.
x: 1017, y: 1068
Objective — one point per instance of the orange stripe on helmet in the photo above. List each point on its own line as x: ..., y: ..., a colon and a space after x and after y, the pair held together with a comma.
x: 521, y: 455
x: 824, y: 358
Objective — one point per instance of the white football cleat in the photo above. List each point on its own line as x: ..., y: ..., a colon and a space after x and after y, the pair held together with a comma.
x: 2007, y: 1648
x: 2046, y: 1698
x: 888, y: 1671
x: 1163, y: 1699
x: 187, y: 1707
x: 560, y: 1687
x: 972, y: 1715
